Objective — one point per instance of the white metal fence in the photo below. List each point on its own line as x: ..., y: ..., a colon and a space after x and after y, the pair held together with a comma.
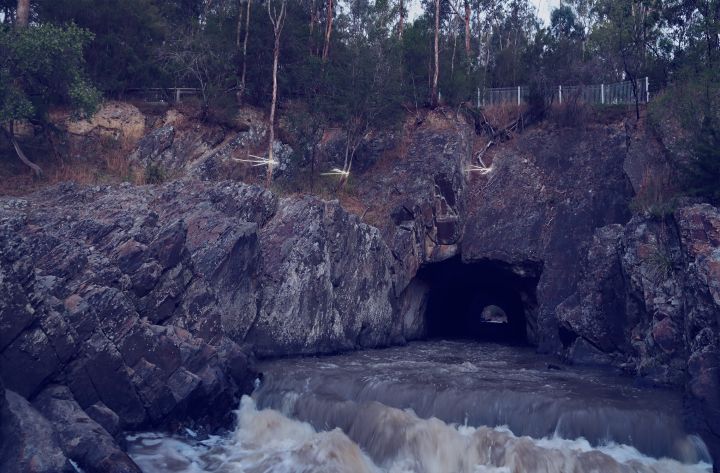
x: 598, y: 94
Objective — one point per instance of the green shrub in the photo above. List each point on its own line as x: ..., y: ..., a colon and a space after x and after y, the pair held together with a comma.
x: 154, y: 174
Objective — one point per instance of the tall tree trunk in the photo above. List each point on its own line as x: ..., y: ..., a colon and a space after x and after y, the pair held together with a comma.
x: 452, y: 59
x: 277, y: 20
x: 313, y: 20
x: 436, y: 71
x: 468, y: 47
x: 23, y: 13
x: 238, y: 52
x: 401, y: 20
x: 710, y: 27
x: 328, y: 30
x: 241, y: 89
x: 238, y: 29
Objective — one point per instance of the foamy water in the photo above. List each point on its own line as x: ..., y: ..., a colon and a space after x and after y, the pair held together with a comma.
x: 417, y: 409
x: 267, y: 441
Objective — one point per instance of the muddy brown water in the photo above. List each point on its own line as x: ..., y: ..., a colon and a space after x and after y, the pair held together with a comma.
x: 439, y: 406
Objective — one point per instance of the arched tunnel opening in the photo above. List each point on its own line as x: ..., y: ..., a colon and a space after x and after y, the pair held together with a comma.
x: 485, y: 300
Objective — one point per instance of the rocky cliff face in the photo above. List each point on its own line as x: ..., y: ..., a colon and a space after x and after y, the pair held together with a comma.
x: 633, y: 292
x: 540, y: 205
x: 133, y: 307
x: 648, y: 302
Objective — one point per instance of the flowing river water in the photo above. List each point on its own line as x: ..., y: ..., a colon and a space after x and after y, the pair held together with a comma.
x: 439, y: 407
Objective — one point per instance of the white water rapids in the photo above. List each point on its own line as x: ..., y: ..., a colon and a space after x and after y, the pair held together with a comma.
x: 381, y: 410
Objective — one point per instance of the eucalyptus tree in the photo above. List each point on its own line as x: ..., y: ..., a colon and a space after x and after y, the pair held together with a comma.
x: 23, y: 13
x: 330, y: 17
x: 42, y: 66
x: 361, y: 87
x: 434, y: 97
x: 628, y: 31
x: 243, y: 71
x: 277, y: 19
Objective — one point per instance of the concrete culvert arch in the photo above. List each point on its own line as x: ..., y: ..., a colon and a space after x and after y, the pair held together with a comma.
x: 493, y: 314
x: 486, y: 300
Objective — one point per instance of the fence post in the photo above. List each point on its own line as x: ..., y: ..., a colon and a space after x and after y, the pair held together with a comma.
x: 647, y: 89
x: 177, y: 95
x: 560, y: 93
x: 602, y: 94
x: 518, y: 95
x: 478, y: 97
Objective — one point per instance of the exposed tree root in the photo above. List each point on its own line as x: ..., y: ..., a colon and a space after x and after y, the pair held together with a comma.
x: 10, y: 134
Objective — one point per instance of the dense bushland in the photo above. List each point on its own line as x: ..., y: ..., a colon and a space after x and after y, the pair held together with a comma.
x: 358, y: 64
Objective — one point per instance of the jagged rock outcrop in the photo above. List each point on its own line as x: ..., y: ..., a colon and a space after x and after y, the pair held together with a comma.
x: 649, y: 302
x: 129, y: 307
x: 415, y: 196
x: 326, y: 282
x: 422, y: 195
x: 540, y: 205
x: 178, y: 146
x: 142, y: 303
x: 28, y: 443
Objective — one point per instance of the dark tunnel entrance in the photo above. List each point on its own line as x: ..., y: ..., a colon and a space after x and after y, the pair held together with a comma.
x: 487, y: 300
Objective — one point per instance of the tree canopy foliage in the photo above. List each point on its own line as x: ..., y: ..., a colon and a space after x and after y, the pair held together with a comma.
x: 483, y: 43
x: 348, y: 62
x: 41, y: 67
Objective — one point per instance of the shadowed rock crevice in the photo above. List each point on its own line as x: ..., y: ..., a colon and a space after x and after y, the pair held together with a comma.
x: 486, y: 300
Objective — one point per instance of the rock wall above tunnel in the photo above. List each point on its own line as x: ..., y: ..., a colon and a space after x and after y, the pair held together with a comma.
x: 417, y: 198
x: 547, y: 193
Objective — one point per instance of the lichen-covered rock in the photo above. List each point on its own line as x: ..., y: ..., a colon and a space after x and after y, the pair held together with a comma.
x: 699, y: 228
x: 144, y: 303
x: 180, y: 146
x: 83, y: 440
x: 174, y: 147
x: 326, y: 282
x: 28, y: 442
x: 539, y: 207
x: 654, y: 283
x: 132, y: 302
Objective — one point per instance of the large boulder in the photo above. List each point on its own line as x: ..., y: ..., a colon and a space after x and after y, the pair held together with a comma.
x: 28, y: 442
x: 83, y: 440
x: 145, y: 303
x: 326, y: 282
x: 649, y: 302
